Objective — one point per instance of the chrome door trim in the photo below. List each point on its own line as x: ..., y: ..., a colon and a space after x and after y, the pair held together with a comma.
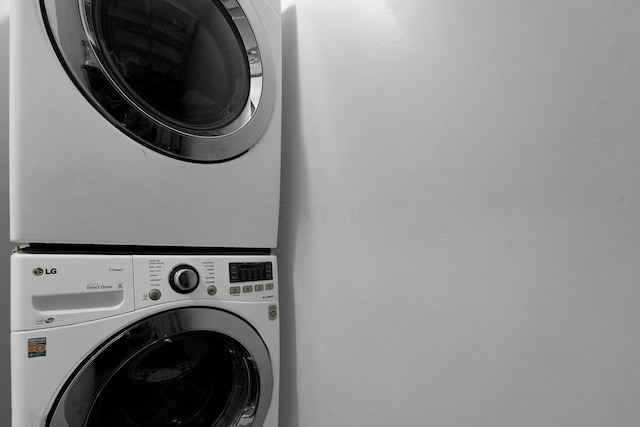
x: 210, y: 145
x: 134, y: 339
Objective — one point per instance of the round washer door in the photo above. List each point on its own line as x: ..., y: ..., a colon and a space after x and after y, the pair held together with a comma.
x: 190, y: 367
x: 190, y: 79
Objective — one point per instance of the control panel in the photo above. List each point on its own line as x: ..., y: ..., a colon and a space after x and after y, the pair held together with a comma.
x: 176, y: 278
x: 57, y: 290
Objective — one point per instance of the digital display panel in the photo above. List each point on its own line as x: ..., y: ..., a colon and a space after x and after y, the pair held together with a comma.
x: 250, y: 271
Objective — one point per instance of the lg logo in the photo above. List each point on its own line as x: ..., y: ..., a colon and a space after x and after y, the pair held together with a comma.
x: 40, y: 271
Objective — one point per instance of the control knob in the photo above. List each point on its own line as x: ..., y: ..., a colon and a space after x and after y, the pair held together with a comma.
x: 184, y: 279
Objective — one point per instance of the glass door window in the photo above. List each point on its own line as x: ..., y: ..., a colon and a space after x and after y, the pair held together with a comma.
x: 185, y: 78
x: 171, y: 370
x: 183, y: 63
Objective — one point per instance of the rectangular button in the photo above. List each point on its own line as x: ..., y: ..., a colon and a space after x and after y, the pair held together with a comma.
x: 234, y: 290
x: 259, y: 288
x: 247, y: 289
x: 269, y: 286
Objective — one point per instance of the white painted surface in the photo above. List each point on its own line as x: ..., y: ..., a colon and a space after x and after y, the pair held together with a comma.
x: 460, y: 235
x: 5, y: 246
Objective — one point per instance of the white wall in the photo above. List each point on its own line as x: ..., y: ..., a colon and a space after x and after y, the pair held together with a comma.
x: 5, y: 246
x: 460, y: 235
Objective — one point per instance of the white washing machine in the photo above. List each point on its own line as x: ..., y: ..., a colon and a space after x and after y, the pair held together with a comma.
x: 152, y: 123
x: 146, y: 340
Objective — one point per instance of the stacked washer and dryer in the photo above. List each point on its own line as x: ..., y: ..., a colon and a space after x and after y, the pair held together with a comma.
x: 145, y: 175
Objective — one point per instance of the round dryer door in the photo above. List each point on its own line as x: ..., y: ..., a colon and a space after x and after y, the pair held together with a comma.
x: 190, y: 79
x: 192, y: 367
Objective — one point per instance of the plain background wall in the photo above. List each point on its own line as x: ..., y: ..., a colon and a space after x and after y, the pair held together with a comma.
x: 460, y: 233
x: 460, y: 222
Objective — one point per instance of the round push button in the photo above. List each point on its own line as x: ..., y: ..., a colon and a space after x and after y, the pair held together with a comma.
x: 155, y: 294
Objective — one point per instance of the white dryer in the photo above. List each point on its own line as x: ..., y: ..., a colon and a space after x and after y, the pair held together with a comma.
x: 152, y: 123
x: 153, y: 340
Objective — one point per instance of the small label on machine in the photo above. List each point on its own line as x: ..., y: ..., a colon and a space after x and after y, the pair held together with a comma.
x: 37, y: 347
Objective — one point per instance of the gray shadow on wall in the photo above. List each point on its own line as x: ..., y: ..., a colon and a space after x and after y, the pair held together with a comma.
x: 5, y: 246
x: 293, y: 195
